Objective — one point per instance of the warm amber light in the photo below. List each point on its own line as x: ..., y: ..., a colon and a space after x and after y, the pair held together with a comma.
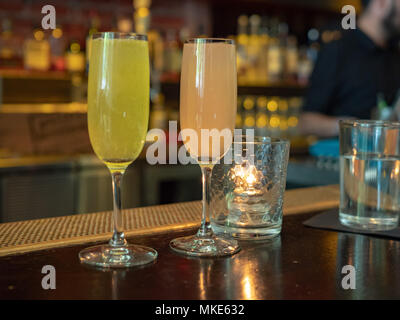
x: 262, y: 102
x: 272, y: 106
x: 283, y: 124
x: 249, y: 121
x: 75, y: 47
x: 327, y: 36
x: 250, y: 179
x: 143, y: 12
x: 283, y: 106
x: 57, y: 33
x: 238, y: 120
x: 292, y: 121
x: 248, y: 288
x: 396, y: 171
x: 262, y: 121
x: 246, y: 179
x: 248, y: 104
x: 274, y: 122
x: 242, y: 39
x: 38, y: 35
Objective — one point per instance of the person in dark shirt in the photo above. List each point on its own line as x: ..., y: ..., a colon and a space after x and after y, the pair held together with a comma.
x: 353, y: 70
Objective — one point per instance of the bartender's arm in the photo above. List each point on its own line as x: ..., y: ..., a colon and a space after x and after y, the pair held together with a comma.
x: 319, y: 100
x: 319, y: 124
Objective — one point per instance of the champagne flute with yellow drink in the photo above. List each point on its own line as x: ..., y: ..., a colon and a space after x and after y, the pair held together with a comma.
x: 118, y: 114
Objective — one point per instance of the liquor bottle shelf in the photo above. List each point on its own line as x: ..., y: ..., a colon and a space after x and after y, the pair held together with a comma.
x: 282, y: 89
x: 22, y: 86
x: 26, y: 86
x: 34, y: 75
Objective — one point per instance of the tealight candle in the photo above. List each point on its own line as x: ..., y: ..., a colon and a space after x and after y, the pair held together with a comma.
x: 247, y: 179
x: 247, y: 195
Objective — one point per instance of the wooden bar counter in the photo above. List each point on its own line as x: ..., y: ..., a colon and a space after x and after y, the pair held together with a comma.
x: 302, y: 263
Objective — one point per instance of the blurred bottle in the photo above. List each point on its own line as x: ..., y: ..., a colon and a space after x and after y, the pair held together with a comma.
x: 75, y: 58
x: 124, y: 24
x: 273, y: 27
x: 249, y: 119
x: 291, y: 59
x: 10, y: 54
x: 141, y: 15
x: 184, y: 34
x: 156, y: 54
x: 253, y: 50
x: 294, y: 105
x: 262, y: 74
x: 37, y: 52
x: 241, y: 47
x: 158, y: 115
x: 94, y: 28
x: 308, y: 55
x: 239, y: 113
x: 305, y: 66
x: 275, y: 66
x: 382, y: 111
x: 269, y: 116
x: 156, y: 50
x: 275, y: 52
x: 273, y: 116
x: 283, y: 35
x: 57, y: 49
x: 172, y: 55
x: 261, y: 116
x: 313, y: 48
x: 283, y: 111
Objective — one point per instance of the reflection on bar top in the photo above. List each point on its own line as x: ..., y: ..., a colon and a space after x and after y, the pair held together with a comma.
x: 44, y: 108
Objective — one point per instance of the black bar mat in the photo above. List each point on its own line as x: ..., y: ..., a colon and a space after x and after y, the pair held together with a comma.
x: 329, y: 220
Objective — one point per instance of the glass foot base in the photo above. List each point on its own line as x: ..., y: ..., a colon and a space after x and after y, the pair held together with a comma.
x: 212, y: 246
x: 106, y: 256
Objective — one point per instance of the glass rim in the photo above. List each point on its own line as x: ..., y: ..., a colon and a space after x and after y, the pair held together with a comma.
x: 258, y: 140
x: 369, y: 123
x: 119, y: 35
x: 209, y: 40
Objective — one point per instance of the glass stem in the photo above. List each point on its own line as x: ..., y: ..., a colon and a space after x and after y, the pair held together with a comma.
x: 118, y: 238
x: 205, y: 228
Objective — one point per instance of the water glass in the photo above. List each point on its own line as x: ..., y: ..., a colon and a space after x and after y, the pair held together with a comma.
x: 369, y: 174
x: 247, y: 189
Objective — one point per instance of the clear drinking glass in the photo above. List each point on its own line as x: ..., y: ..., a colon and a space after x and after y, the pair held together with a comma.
x: 248, y: 188
x: 208, y: 101
x: 369, y: 174
x: 118, y: 113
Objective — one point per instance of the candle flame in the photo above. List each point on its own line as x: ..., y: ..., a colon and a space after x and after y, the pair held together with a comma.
x: 251, y: 179
x: 246, y: 177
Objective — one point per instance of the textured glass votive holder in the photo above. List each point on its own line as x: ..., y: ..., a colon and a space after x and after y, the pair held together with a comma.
x: 248, y: 187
